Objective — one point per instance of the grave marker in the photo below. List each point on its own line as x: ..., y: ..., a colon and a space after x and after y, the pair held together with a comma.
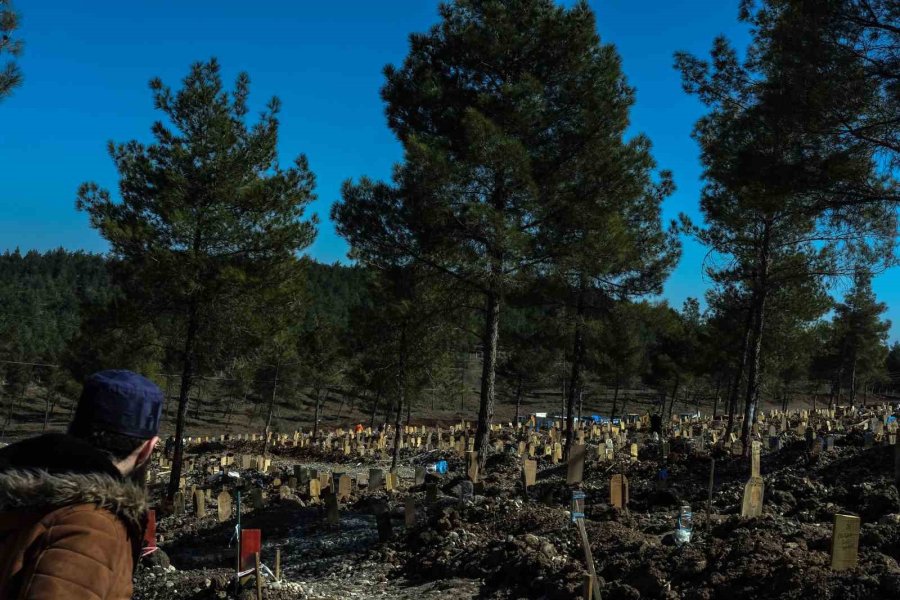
x: 575, y: 472
x: 178, y: 504
x: 199, y: 498
x: 345, y: 487
x: 376, y: 480
x: 331, y: 508
x: 755, y: 449
x: 472, y: 465
x: 618, y: 491
x: 431, y: 492
x: 257, y: 499
x: 530, y: 469
x: 224, y: 509
x: 844, y: 542
x: 753, y: 497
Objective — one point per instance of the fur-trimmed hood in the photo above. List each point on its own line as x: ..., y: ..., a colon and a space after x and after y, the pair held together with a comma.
x: 38, y: 489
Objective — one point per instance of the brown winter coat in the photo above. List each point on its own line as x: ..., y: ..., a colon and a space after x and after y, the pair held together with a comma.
x: 68, y: 535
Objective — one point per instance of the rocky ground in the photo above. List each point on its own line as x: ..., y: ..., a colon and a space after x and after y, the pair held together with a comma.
x: 506, y: 544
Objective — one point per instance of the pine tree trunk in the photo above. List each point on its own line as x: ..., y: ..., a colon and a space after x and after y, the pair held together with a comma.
x: 268, y: 430
x: 758, y: 308
x: 853, y: 383
x: 575, y: 374
x: 187, y: 375
x: 315, y: 435
x: 488, y: 374
x: 48, y: 408
x: 168, y: 396
x: 739, y: 375
x: 408, y: 411
x: 401, y: 393
x: 715, y: 409
x: 375, y: 410
x: 612, y: 413
x: 668, y: 421
x: 518, y: 398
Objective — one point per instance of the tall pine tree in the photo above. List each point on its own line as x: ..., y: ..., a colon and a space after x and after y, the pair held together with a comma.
x: 500, y: 108
x: 209, y: 225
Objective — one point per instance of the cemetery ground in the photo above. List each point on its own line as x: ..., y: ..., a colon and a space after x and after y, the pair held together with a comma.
x: 333, y: 522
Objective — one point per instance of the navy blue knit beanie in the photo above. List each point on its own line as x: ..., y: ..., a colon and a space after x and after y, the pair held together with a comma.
x: 119, y: 401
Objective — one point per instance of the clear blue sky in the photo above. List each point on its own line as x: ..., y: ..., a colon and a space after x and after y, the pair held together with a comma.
x: 87, y: 65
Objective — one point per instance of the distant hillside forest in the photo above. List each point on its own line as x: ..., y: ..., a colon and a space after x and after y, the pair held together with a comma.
x: 46, y: 297
x: 60, y: 308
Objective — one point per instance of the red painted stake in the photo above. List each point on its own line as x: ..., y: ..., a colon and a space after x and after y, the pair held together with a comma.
x: 150, y: 531
x: 251, y: 543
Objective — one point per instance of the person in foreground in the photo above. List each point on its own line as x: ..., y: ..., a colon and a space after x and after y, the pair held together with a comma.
x: 73, y: 506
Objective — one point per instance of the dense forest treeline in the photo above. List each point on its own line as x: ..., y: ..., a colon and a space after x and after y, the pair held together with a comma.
x: 522, y: 226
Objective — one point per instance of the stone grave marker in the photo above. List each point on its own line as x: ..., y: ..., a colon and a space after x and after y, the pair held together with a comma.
x: 178, y: 503
x: 618, y: 491
x: 224, y: 502
x: 529, y: 467
x: 575, y: 471
x: 472, y: 465
x: 331, y: 508
x: 755, y: 450
x: 345, y: 487
x: 325, y: 481
x: 257, y: 500
x: 199, y: 498
x: 844, y: 542
x: 376, y: 480
x: 420, y: 475
x: 385, y: 529
x: 634, y: 452
x: 431, y: 492
x: 315, y: 489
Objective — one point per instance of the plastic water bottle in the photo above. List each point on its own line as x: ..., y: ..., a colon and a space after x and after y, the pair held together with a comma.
x: 439, y: 467
x: 685, y: 525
